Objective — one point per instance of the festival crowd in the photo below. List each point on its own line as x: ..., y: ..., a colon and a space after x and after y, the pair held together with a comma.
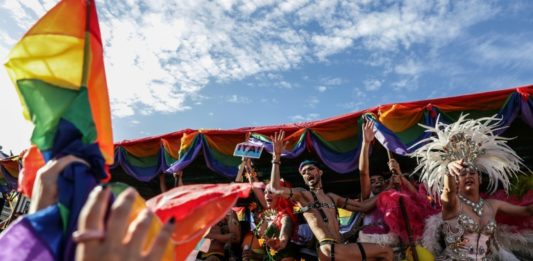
x: 445, y: 216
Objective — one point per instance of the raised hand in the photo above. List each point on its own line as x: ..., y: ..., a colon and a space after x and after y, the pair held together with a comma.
x: 456, y: 167
x: 278, y: 145
x: 394, y: 167
x: 368, y: 131
x: 114, y: 239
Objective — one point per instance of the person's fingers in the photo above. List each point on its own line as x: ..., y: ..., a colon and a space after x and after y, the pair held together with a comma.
x: 161, y: 241
x: 92, y: 214
x: 138, y: 230
x: 285, y: 144
x: 118, y: 220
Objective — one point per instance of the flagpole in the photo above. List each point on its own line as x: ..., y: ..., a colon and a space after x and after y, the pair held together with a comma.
x: 412, y: 244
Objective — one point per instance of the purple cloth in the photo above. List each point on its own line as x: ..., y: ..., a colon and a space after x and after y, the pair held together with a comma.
x: 20, y: 242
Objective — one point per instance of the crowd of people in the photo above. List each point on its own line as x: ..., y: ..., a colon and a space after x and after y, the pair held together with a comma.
x: 467, y: 228
x: 291, y: 223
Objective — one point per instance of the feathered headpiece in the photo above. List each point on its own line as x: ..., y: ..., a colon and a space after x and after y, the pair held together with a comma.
x: 473, y: 141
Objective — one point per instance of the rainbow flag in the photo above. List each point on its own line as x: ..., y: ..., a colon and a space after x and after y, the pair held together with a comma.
x: 58, y: 71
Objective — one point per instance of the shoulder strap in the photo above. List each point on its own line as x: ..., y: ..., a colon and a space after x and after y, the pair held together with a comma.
x: 334, y: 205
x: 318, y: 206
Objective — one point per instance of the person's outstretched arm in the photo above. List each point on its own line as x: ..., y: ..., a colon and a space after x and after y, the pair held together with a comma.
x: 448, y: 197
x: 510, y: 209
x: 353, y: 204
x: 364, y: 164
x: 278, y: 146
x: 239, y: 177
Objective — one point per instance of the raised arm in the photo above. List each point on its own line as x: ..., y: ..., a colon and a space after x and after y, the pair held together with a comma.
x: 239, y: 177
x: 278, y: 145
x: 364, y: 165
x: 394, y: 167
x: 448, y: 196
x: 178, y: 178
x: 252, y: 177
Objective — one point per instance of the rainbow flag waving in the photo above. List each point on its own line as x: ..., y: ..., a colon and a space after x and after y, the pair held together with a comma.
x: 58, y: 71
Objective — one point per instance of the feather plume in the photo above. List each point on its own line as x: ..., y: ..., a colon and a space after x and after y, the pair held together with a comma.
x: 473, y: 141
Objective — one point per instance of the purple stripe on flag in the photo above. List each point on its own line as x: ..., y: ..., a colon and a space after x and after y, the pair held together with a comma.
x: 22, y: 243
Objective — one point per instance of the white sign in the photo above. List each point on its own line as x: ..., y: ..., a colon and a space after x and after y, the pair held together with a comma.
x: 248, y: 150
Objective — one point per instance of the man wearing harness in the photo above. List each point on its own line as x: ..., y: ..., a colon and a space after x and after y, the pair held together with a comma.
x: 320, y: 211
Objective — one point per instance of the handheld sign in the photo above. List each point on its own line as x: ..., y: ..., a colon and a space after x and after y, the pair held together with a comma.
x: 248, y: 150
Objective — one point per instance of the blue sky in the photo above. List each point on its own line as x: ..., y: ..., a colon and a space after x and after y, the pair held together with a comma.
x: 228, y: 64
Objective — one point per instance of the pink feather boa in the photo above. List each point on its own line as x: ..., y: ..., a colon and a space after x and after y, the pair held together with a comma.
x: 418, y: 210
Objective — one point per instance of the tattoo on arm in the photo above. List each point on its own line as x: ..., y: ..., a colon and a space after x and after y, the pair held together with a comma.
x: 286, y: 231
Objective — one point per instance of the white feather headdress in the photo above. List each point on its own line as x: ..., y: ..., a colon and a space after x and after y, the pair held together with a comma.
x: 471, y: 140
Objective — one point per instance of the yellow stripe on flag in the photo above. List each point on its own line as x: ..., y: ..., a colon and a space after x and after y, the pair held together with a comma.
x: 55, y: 59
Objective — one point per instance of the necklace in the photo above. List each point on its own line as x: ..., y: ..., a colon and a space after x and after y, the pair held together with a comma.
x: 476, y: 207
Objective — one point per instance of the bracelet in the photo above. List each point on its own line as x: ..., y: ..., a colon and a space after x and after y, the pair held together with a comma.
x: 276, y: 162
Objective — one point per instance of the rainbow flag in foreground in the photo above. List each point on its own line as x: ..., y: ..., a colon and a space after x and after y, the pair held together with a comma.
x: 58, y: 71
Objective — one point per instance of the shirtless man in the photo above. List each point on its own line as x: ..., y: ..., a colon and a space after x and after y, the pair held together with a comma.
x: 320, y: 211
x: 375, y: 229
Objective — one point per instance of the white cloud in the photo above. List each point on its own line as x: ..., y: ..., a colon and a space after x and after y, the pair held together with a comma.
x: 237, y: 99
x: 284, y: 85
x: 160, y: 56
x: 302, y: 118
x: 504, y: 50
x: 311, y: 102
x: 332, y: 81
x: 405, y: 84
x: 327, y: 83
x: 372, y: 85
x: 410, y: 67
x: 356, y: 105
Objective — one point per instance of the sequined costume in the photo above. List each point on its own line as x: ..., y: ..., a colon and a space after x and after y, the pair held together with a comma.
x: 467, y: 240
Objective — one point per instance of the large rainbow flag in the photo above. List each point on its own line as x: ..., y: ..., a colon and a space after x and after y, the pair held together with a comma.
x: 58, y: 71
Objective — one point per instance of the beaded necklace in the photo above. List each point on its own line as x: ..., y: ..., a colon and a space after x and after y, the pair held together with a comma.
x: 477, y: 207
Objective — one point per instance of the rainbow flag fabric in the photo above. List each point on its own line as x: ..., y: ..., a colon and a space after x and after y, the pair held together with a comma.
x: 58, y: 71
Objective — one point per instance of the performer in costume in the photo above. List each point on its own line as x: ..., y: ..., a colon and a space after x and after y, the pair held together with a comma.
x: 319, y: 210
x: 271, y: 240
x: 452, y: 163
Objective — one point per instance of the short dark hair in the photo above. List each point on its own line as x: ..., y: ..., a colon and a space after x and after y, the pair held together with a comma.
x: 308, y: 162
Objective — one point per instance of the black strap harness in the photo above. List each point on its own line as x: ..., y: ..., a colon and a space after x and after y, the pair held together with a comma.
x: 318, y: 206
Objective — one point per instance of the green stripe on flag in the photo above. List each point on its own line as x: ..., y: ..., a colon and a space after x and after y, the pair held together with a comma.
x: 47, y: 104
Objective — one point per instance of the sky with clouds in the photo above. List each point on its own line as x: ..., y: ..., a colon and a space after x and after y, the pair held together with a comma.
x: 227, y: 64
